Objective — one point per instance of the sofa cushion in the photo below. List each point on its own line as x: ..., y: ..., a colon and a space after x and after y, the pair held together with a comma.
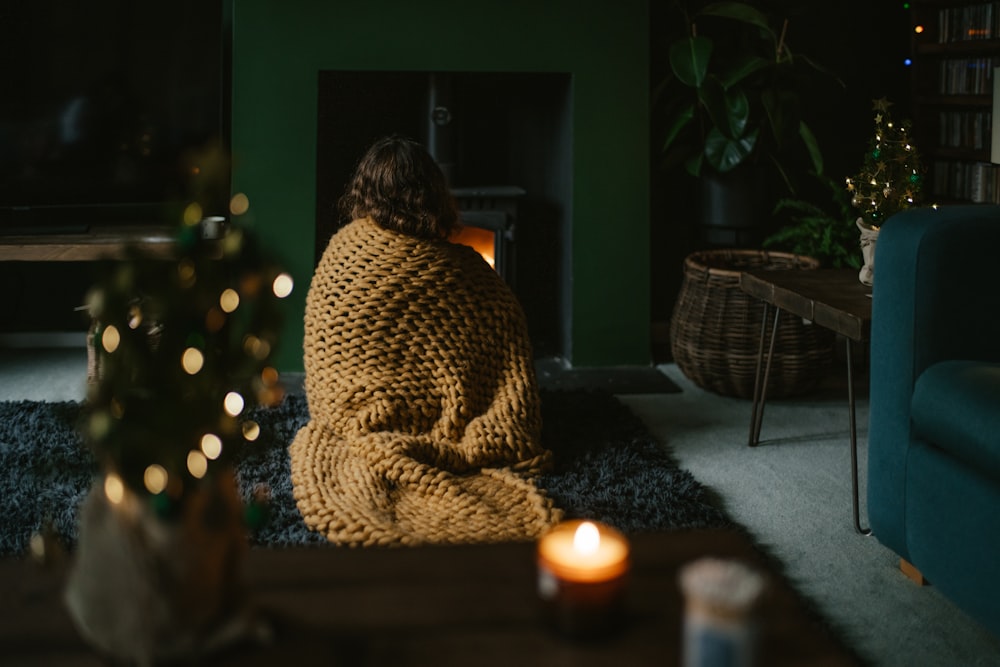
x: 956, y: 407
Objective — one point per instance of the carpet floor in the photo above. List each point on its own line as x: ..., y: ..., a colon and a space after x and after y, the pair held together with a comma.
x: 608, y: 468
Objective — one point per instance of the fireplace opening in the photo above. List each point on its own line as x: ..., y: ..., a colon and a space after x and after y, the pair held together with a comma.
x: 503, y: 140
x: 489, y: 225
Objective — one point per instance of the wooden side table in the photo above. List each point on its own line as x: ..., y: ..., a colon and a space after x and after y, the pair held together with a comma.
x: 830, y: 298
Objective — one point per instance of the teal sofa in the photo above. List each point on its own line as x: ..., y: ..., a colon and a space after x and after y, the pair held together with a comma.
x: 934, y: 429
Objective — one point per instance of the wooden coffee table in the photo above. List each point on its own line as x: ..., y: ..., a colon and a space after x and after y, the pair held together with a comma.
x: 456, y: 605
x: 830, y: 298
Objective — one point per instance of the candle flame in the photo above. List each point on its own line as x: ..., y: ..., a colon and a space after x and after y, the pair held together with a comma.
x: 587, y: 539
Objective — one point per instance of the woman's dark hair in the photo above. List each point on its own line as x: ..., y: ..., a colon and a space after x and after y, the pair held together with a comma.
x: 399, y: 185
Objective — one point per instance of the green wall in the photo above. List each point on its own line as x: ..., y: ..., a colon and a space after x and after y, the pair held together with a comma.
x: 279, y: 46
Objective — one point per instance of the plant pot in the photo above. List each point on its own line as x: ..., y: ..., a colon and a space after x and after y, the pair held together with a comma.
x: 145, y: 588
x: 732, y: 206
x: 869, y: 235
x: 715, y: 328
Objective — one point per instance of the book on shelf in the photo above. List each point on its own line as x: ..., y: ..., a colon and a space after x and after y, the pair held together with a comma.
x: 978, y: 182
x: 969, y: 22
x: 968, y: 130
x: 966, y: 76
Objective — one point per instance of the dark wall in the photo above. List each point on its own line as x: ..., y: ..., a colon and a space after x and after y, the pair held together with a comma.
x: 279, y: 49
x: 862, y: 43
x: 44, y: 296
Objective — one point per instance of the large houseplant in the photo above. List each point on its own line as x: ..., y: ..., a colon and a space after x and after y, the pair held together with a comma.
x: 732, y: 104
x: 734, y: 89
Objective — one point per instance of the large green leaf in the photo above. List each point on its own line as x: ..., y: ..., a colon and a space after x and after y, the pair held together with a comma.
x: 689, y: 60
x: 693, y: 164
x: 781, y: 110
x: 742, y: 69
x: 677, y: 124
x: 812, y: 146
x: 729, y: 110
x: 724, y: 153
x: 738, y: 11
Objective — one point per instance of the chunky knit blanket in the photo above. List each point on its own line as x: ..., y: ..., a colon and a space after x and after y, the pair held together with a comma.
x: 425, y: 414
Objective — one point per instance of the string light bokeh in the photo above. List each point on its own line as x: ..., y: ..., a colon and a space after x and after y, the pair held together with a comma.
x: 183, y: 350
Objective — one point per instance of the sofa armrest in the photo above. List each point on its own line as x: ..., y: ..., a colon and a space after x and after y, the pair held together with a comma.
x: 936, y: 296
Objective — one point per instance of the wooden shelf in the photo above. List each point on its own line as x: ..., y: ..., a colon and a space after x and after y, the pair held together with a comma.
x: 943, y: 123
x: 963, y: 154
x: 97, y: 244
x: 964, y: 48
x: 982, y: 101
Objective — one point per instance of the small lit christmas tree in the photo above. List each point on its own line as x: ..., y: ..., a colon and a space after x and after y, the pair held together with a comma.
x: 181, y: 344
x: 891, y: 176
x: 183, y: 349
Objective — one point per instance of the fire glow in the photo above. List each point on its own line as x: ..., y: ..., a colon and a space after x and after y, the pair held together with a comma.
x: 479, y: 239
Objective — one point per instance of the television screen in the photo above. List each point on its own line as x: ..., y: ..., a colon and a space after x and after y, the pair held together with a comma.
x: 107, y: 110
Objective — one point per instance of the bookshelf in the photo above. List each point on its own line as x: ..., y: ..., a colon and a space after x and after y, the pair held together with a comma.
x: 956, y: 45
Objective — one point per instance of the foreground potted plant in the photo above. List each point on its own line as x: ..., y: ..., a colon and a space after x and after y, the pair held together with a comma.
x: 181, y: 351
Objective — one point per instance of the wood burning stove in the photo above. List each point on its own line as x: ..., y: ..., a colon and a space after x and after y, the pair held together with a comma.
x: 489, y: 216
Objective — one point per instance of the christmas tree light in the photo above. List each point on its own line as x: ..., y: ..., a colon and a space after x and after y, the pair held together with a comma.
x: 183, y: 349
x: 891, y: 176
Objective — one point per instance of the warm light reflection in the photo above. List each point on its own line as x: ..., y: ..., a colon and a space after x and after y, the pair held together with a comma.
x: 135, y: 317
x: 230, y: 300
x: 256, y: 348
x: 250, y: 284
x: 186, y: 273
x: 233, y: 404
x: 197, y: 464
x: 110, y: 338
x: 239, y: 204
x: 214, y: 320
x: 481, y: 240
x: 192, y: 360
x: 282, y: 285
x: 155, y: 478
x: 251, y: 430
x: 211, y: 446
x: 269, y: 376
x: 192, y: 214
x: 114, y: 489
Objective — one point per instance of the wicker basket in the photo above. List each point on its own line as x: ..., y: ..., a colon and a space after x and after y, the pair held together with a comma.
x: 715, y: 328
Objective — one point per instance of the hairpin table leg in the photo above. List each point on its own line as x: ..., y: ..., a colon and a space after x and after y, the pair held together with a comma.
x: 854, y: 443
x: 760, y: 385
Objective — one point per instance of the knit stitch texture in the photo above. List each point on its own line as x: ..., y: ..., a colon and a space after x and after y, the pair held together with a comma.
x: 425, y: 413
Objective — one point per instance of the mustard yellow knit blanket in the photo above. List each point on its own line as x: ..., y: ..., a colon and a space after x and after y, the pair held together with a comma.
x: 424, y: 407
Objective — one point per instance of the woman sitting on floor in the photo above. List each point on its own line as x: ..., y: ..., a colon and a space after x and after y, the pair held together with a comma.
x: 425, y: 413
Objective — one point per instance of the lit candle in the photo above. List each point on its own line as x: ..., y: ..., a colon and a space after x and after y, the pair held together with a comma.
x: 582, y: 568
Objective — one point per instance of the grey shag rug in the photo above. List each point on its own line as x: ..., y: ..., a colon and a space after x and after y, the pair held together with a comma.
x: 608, y: 468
